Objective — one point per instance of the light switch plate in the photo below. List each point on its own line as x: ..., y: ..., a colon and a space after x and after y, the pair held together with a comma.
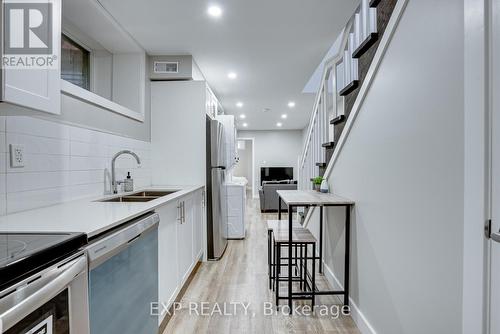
x: 16, y: 156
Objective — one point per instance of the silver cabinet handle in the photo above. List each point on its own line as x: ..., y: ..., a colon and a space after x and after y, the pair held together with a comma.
x: 183, y: 212
x: 179, y: 212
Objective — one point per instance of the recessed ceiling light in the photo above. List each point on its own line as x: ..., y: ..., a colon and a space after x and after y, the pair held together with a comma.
x: 279, y: 125
x: 291, y: 104
x: 214, y: 11
x: 284, y: 116
x: 245, y: 125
x: 232, y: 75
x: 243, y: 116
x: 239, y: 104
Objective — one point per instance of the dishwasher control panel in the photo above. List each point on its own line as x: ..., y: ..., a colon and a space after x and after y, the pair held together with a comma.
x: 104, y: 248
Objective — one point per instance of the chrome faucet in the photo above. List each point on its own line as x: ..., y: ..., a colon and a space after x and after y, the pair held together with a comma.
x: 114, y: 183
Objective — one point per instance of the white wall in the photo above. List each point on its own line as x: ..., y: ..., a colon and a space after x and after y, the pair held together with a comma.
x: 178, y: 132
x: 275, y: 148
x: 403, y: 165
x: 476, y: 185
x: 62, y: 163
x: 129, y: 71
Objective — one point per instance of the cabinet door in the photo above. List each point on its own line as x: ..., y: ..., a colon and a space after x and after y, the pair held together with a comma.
x: 39, y: 89
x: 167, y: 253
x: 185, y: 238
x: 198, y: 221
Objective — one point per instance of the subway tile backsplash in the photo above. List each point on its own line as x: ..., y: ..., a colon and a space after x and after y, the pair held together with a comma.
x: 62, y: 163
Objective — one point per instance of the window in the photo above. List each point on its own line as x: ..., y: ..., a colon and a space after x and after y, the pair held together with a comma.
x: 75, y: 63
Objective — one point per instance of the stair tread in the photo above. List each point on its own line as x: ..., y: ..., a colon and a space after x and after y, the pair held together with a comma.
x: 329, y: 144
x: 366, y: 45
x: 337, y: 120
x: 349, y: 88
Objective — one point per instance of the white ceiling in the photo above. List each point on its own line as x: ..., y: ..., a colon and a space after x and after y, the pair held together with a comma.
x: 273, y: 45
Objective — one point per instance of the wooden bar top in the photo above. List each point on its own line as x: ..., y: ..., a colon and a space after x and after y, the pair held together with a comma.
x: 298, y: 235
x: 310, y: 197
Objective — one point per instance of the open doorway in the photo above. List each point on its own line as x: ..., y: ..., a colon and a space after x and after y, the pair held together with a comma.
x: 246, y: 165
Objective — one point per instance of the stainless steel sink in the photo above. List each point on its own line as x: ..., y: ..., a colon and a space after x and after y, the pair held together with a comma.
x: 153, y: 193
x: 142, y: 196
x: 130, y: 199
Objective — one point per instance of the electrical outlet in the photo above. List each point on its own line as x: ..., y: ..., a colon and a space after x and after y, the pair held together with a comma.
x: 16, y: 156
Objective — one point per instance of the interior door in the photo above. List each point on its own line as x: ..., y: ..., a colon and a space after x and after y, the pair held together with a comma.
x: 495, y: 171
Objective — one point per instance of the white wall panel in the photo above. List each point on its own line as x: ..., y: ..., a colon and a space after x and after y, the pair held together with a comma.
x: 62, y: 163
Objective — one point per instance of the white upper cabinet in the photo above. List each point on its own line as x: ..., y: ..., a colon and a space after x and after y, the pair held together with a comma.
x: 30, y: 80
x: 213, y: 105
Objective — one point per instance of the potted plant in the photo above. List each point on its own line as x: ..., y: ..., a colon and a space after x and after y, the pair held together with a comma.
x: 317, y: 182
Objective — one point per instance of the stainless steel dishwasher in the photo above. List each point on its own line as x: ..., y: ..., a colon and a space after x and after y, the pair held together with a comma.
x: 123, y: 278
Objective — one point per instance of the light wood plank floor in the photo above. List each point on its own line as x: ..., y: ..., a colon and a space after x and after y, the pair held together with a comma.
x: 241, y: 276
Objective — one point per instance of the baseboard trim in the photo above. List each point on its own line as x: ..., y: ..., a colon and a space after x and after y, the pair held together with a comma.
x: 178, y: 298
x: 363, y: 325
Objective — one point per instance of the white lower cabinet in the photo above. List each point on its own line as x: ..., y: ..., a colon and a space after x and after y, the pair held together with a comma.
x: 180, y: 236
x: 167, y: 254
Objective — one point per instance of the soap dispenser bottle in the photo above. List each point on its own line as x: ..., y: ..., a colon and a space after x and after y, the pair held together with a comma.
x: 128, y: 185
x: 324, y: 186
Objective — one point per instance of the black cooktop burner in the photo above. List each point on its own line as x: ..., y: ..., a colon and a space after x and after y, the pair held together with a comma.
x: 23, y: 253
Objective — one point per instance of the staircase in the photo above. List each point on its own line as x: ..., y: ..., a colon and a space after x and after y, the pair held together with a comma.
x: 343, y: 78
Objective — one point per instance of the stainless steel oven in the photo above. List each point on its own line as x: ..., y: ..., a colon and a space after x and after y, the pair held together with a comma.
x: 50, y: 301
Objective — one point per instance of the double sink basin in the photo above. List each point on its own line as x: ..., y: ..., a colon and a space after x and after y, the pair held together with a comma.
x: 142, y: 196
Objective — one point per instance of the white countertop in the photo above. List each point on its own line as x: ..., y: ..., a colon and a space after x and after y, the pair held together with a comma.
x: 87, y: 215
x: 311, y: 197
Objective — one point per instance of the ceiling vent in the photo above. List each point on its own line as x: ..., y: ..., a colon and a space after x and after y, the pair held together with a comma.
x: 163, y: 67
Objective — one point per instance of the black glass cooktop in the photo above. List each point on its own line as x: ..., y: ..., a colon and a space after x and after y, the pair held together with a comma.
x: 21, y: 254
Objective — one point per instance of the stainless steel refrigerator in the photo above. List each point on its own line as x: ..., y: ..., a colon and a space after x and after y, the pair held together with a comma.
x: 217, y: 225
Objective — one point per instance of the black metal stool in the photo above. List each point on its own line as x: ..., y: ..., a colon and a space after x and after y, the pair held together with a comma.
x: 273, y: 225
x: 302, y: 239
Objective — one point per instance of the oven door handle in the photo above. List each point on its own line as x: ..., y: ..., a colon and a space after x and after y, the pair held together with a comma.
x: 28, y: 304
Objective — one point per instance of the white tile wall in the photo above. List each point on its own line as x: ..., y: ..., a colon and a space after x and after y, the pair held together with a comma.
x: 62, y: 163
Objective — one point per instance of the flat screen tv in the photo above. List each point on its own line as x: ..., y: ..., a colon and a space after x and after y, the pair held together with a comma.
x: 275, y: 174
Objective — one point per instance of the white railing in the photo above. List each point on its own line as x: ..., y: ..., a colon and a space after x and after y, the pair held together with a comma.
x: 327, y: 106
x: 340, y: 74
